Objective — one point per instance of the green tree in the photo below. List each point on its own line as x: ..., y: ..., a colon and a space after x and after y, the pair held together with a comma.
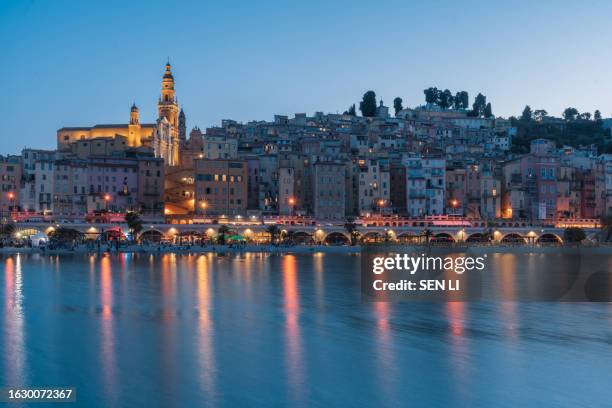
x: 457, y: 101
x: 63, y: 235
x: 574, y: 235
x: 461, y: 100
x: 479, y: 105
x: 488, y: 110
x: 221, y: 232
x: 431, y: 95
x: 397, y: 105
x: 539, y: 114
x: 570, y: 114
x: 273, y: 230
x: 134, y: 223
x: 605, y: 233
x: 351, y: 227
x: 527, y: 115
x: 597, y: 116
x: 351, y: 111
x: 6, y: 232
x: 445, y: 99
x: 368, y: 104
x: 465, y: 100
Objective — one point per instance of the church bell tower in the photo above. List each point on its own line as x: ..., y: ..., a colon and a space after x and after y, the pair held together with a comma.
x: 168, y: 108
x: 167, y: 105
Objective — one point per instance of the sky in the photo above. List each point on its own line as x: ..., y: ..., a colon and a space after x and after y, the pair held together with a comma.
x: 84, y: 62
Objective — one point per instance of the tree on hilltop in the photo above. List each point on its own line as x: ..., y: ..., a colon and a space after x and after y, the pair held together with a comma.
x: 539, y: 114
x: 479, y: 105
x: 445, y: 99
x: 351, y: 111
x: 527, y: 114
x: 597, y: 116
x: 488, y: 110
x: 397, y: 105
x: 431, y: 95
x: 368, y: 104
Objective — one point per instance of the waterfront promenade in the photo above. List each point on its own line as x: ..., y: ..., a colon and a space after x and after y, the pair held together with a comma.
x: 322, y: 233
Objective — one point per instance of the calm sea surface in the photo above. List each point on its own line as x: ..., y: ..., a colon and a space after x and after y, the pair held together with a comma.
x: 284, y: 330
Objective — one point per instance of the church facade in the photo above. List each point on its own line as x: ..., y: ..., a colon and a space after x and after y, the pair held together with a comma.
x: 163, y: 136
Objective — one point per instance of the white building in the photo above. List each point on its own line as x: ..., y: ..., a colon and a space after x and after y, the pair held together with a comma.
x: 37, y: 180
x: 425, y: 185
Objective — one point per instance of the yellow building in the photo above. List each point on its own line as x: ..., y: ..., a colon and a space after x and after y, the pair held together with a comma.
x: 161, y: 136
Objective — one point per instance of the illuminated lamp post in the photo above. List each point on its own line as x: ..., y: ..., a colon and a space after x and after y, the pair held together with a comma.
x: 291, y: 205
x: 11, y: 197
x: 107, y: 199
x: 381, y: 204
x: 454, y: 204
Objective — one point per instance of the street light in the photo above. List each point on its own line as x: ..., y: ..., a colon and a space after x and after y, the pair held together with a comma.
x: 454, y: 203
x: 203, y: 205
x: 107, y: 198
x: 291, y: 205
x: 381, y: 204
x: 10, y: 196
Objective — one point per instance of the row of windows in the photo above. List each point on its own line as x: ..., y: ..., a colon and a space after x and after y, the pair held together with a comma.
x: 222, y: 201
x: 232, y: 190
x: 330, y: 193
x: 330, y: 203
x: 219, y: 177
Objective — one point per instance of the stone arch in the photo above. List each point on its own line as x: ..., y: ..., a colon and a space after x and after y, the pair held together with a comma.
x: 407, y: 237
x: 63, y: 235
x: 302, y: 237
x: 549, y: 238
x: 477, y: 237
x: 151, y: 235
x: 513, y: 238
x: 337, y: 237
x: 442, y: 237
x: 372, y: 236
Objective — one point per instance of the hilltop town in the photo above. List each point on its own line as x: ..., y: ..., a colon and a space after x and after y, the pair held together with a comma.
x: 446, y: 158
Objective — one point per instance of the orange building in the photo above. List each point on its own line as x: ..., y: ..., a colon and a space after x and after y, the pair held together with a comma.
x: 161, y: 136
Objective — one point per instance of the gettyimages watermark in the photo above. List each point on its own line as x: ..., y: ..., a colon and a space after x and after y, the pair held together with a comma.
x: 401, y: 273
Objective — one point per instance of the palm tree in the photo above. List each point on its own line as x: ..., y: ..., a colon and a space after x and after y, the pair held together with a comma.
x: 134, y: 223
x: 221, y: 231
x: 427, y: 233
x: 288, y: 237
x: 487, y: 233
x: 63, y: 236
x: 351, y: 227
x: 6, y: 231
x: 273, y: 231
x: 605, y: 233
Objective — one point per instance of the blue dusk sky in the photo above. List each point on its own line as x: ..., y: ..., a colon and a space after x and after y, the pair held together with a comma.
x: 81, y: 63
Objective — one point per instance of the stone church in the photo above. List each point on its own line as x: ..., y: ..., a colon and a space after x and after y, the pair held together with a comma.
x: 165, y: 137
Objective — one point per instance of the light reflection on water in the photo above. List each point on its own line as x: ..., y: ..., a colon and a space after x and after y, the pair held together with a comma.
x: 286, y: 330
x: 15, y: 340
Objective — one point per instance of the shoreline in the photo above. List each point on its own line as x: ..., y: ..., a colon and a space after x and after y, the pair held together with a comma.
x: 311, y: 249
